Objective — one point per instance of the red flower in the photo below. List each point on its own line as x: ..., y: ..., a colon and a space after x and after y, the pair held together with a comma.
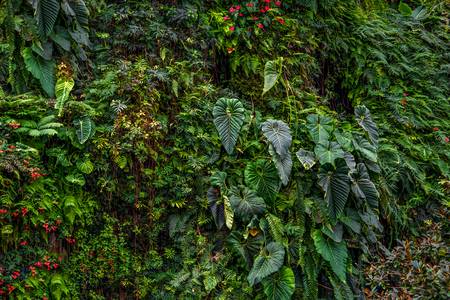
x: 44, y: 298
x: 48, y: 265
x: 231, y: 28
x: 12, y: 147
x: 23, y: 243
x: 55, y: 266
x: 230, y: 50
x: 15, y: 274
x: 255, y: 18
x: 10, y: 288
x: 435, y: 129
x: 38, y: 264
x: 281, y: 21
x: 260, y: 25
x: 250, y: 4
x: 3, y: 211
x: 226, y: 18
x: 278, y: 3
x: 241, y: 15
x: 15, y: 214
x: 446, y: 139
x: 266, y: 8
x: 24, y: 211
x: 53, y: 228
x: 232, y: 10
x: 238, y: 7
x: 267, y: 1
x: 1, y: 151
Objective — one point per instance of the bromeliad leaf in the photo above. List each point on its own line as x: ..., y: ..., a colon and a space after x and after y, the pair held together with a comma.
x: 83, y: 129
x: 319, y: 128
x: 262, y: 177
x: 334, y: 253
x: 267, y: 262
x: 246, y: 202
x: 335, y: 184
x: 278, y: 134
x: 328, y: 152
x: 362, y: 187
x: 281, y: 285
x: 364, y: 119
x: 283, y: 164
x: 228, y: 119
x: 62, y: 91
x: 307, y: 158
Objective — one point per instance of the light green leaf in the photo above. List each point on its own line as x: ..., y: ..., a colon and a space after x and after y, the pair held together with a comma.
x: 281, y: 285
x: 267, y: 262
x: 85, y: 166
x: 328, y: 152
x: 229, y: 213
x: 83, y: 129
x: 228, y: 119
x: 43, y: 70
x: 271, y: 74
x: 62, y: 91
x: 307, y: 158
x: 319, y: 128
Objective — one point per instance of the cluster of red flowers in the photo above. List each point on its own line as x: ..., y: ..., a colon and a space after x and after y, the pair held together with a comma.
x: 446, y: 138
x: 252, y: 11
x: 14, y: 125
x: 10, y: 289
x: 70, y: 240
x: 35, y: 173
x: 47, y: 264
x: 48, y: 228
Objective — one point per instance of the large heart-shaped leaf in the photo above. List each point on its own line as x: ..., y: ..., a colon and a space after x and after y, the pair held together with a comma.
x: 41, y: 69
x: 307, y: 158
x: 246, y: 202
x: 281, y: 285
x: 278, y: 134
x: 328, y: 152
x: 364, y: 119
x: 46, y: 14
x: 282, y: 163
x: 362, y: 187
x: 334, y: 253
x: 319, y: 128
x: 228, y: 119
x: 335, y: 184
x: 267, y: 262
x: 262, y: 177
x: 83, y: 128
x: 271, y: 74
x: 367, y: 150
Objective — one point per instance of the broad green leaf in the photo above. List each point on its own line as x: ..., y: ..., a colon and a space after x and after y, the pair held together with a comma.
x: 367, y: 150
x: 328, y: 152
x: 280, y: 285
x: 350, y: 161
x: 46, y: 14
x: 85, y: 166
x: 76, y: 179
x: 246, y: 246
x: 335, y: 183
x: 364, y: 119
x: 70, y: 209
x: 334, y: 253
x: 267, y: 262
x: 218, y: 179
x: 43, y: 70
x: 307, y: 158
x: 335, y: 233
x: 228, y: 119
x: 216, y: 207
x: 229, y: 213
x: 62, y: 91
x: 245, y: 202
x: 278, y: 134
x: 319, y: 128
x: 282, y: 163
x: 262, y: 177
x: 404, y: 9
x: 83, y: 129
x: 271, y: 74
x: 344, y: 139
x: 362, y: 187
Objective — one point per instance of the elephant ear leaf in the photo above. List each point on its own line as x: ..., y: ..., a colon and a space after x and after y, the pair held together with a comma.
x: 282, y: 163
x: 271, y: 74
x: 278, y: 134
x: 364, y: 120
x: 335, y: 183
x: 307, y: 158
x: 363, y: 188
x: 328, y: 152
x: 319, y: 127
x: 333, y: 252
x: 246, y: 202
x: 281, y: 285
x: 84, y: 128
x: 228, y: 119
x: 262, y: 177
x: 41, y: 69
x: 267, y: 262
x: 46, y: 15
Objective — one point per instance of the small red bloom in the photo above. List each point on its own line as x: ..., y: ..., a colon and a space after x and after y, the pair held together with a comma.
x: 241, y: 14
x: 267, y: 1
x: 255, y: 18
x: 15, y: 274
x: 446, y: 139
x: 226, y: 18
x: 278, y: 3
x: 53, y: 228
x: 250, y: 4
x: 24, y: 211
x: 15, y: 214
x: 260, y: 25
x: 1, y: 151
x: 435, y: 129
x: 44, y: 298
x: 48, y: 265
x: 23, y: 243
x: 266, y: 8
x: 10, y: 288
x: 232, y: 10
x: 12, y: 147
x: 55, y: 266
x: 231, y: 28
x: 238, y: 7
x: 281, y: 21
x: 3, y: 211
x: 38, y: 264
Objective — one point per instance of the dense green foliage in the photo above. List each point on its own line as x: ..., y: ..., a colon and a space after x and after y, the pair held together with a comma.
x: 224, y: 149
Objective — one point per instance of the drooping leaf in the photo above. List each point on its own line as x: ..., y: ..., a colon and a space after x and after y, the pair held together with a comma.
x: 62, y: 91
x: 334, y: 253
x: 335, y: 233
x: 364, y: 119
x: 267, y: 262
x: 350, y: 161
x: 262, y: 177
x: 43, y: 70
x: 280, y: 285
x: 367, y: 150
x: 282, y: 163
x: 335, y: 184
x: 319, y: 128
x: 307, y: 158
x: 228, y: 119
x: 245, y: 202
x: 328, y: 152
x: 216, y: 207
x: 341, y: 290
x: 83, y: 129
x: 80, y: 10
x: 247, y: 246
x: 46, y: 15
x: 278, y: 134
x: 218, y: 179
x: 229, y: 213
x: 271, y: 74
x: 362, y: 187
x: 344, y: 139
